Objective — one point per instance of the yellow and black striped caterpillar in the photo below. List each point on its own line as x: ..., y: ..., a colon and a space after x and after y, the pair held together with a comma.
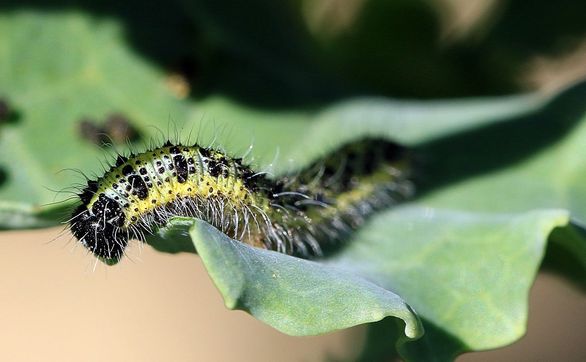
x: 296, y: 214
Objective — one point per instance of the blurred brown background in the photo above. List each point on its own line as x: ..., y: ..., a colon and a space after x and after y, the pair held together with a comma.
x: 161, y: 307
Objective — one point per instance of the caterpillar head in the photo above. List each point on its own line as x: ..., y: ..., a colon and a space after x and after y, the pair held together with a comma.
x: 99, y: 229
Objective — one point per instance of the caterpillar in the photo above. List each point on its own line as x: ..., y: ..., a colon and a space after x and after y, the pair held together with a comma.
x: 298, y: 213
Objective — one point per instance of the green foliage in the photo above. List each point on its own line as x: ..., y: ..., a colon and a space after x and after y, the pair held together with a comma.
x: 500, y: 176
x: 298, y: 297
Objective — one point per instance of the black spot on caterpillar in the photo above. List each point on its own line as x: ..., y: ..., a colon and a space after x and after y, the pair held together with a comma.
x: 296, y: 214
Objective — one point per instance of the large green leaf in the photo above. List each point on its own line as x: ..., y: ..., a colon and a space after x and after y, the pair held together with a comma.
x: 467, y: 275
x: 51, y: 94
x: 297, y: 297
x: 40, y: 151
x: 553, y: 176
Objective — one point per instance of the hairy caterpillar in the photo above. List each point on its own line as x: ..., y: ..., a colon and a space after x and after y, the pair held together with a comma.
x: 295, y: 214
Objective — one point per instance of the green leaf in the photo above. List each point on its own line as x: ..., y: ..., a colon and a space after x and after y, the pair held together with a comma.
x: 51, y: 94
x: 466, y: 274
x: 38, y: 160
x: 295, y: 296
x: 534, y: 161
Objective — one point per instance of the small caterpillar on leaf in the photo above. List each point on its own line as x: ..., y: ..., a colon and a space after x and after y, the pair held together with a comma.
x: 296, y: 214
